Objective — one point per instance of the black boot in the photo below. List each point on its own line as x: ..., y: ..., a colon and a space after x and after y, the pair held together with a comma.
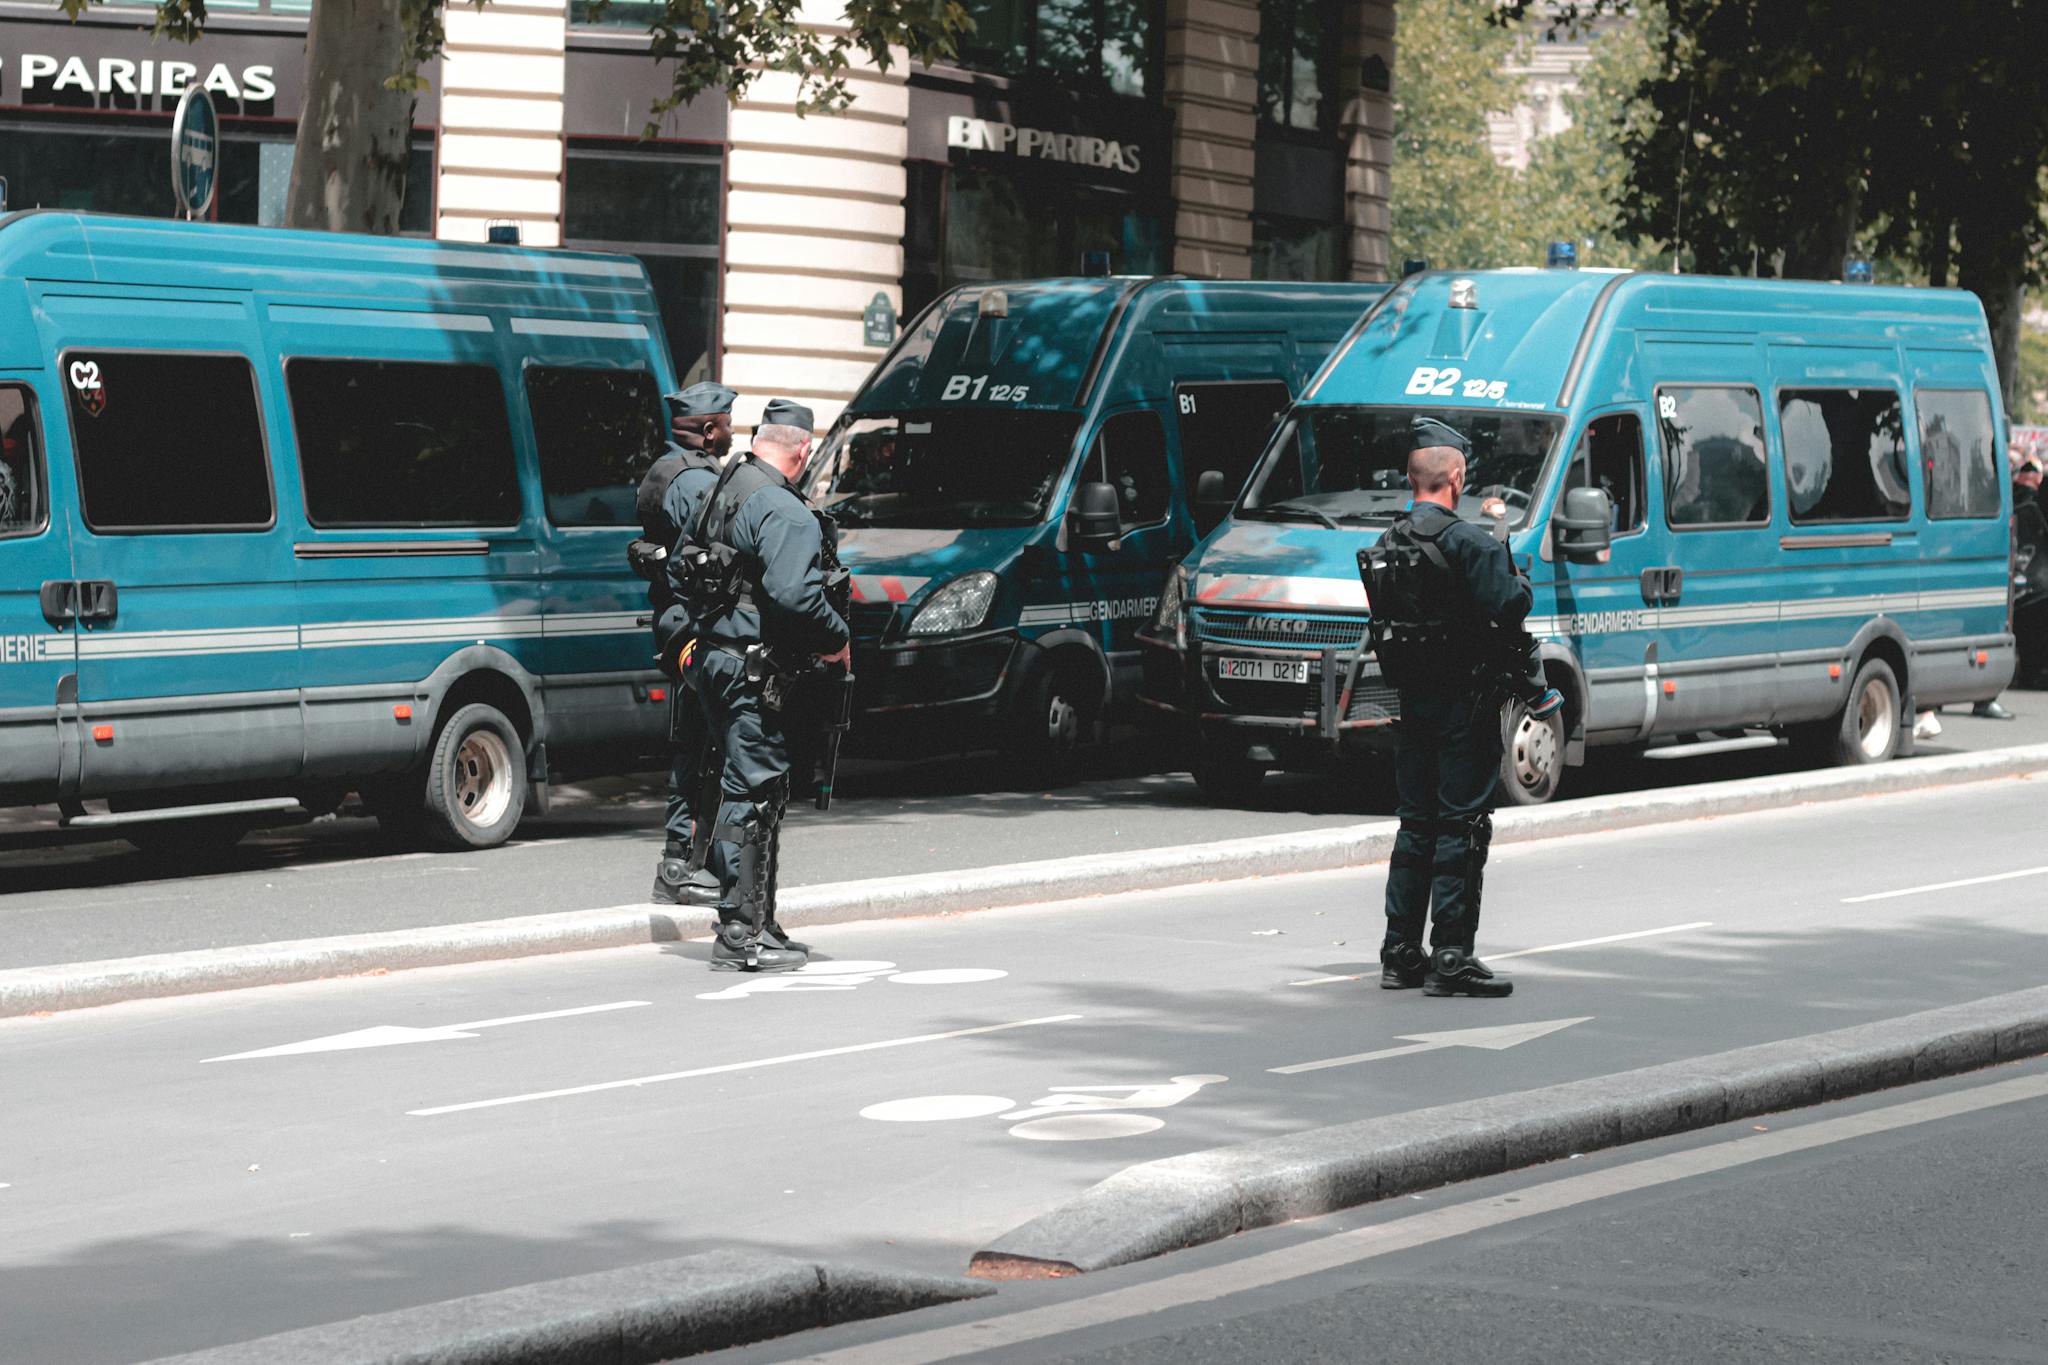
x: 678, y: 882
x: 740, y: 947
x: 1403, y: 967
x: 1458, y: 971
x: 773, y: 927
x: 743, y: 943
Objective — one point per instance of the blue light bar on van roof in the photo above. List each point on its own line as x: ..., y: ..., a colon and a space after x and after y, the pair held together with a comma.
x: 502, y: 234
x: 1414, y: 265
x: 1857, y: 270
x: 1563, y: 256
x: 1464, y: 294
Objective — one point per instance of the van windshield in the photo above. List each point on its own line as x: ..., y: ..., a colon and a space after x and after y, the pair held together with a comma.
x: 1351, y: 464
x: 943, y: 469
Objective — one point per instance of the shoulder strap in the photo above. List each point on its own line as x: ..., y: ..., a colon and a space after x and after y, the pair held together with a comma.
x: 654, y: 484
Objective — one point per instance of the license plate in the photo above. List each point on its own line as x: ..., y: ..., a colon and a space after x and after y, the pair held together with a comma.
x: 1263, y: 670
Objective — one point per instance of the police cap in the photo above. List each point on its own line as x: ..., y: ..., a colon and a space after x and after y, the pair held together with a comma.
x: 782, y: 412
x: 1425, y: 432
x: 701, y: 400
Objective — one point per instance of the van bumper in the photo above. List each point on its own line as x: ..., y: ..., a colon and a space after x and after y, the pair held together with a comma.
x: 928, y: 689
x: 1345, y: 704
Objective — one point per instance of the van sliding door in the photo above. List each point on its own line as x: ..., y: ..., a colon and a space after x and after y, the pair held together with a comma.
x: 37, y: 609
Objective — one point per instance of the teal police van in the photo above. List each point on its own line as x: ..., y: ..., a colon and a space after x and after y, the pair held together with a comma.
x: 1019, y: 471
x: 1752, y: 510
x: 285, y: 515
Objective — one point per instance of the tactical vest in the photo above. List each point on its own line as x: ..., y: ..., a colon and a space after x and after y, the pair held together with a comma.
x: 1425, y: 629
x: 711, y: 575
x: 648, y: 553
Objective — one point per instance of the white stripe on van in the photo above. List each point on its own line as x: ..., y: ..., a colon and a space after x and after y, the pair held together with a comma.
x: 569, y: 327
x: 379, y: 317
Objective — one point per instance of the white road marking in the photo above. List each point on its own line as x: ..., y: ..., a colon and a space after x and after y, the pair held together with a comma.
x: 1401, y: 1234
x: 1087, y: 1127
x: 728, y: 1067
x: 1945, y: 886
x: 1067, y: 1099
x: 1548, y: 948
x: 391, y: 1035
x: 948, y: 976
x: 1494, y: 1039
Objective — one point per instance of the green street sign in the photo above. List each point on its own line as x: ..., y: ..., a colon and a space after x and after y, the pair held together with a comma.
x: 879, y: 321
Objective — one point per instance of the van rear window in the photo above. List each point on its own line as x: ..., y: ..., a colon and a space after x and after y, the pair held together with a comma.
x: 391, y: 443
x: 166, y: 441
x: 1845, y: 455
x: 1959, y: 452
x: 597, y: 431
x: 24, y: 506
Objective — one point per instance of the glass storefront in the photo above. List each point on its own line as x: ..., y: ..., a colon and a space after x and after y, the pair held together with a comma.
x: 1089, y: 45
x: 1300, y: 46
x: 1298, y: 228
x: 661, y: 203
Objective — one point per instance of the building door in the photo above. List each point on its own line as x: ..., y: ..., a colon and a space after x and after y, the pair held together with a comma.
x: 37, y: 609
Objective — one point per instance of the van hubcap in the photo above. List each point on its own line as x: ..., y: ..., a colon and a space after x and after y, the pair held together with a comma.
x: 1534, y: 752
x: 1062, y: 722
x: 1875, y: 718
x: 483, y: 778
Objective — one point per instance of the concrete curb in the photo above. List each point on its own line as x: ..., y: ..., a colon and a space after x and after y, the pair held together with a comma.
x: 1182, y: 1201
x: 638, y: 1316
x: 29, y: 990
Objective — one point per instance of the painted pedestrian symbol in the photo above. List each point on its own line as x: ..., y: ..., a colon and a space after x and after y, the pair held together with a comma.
x: 846, y: 976
x: 1071, y: 1113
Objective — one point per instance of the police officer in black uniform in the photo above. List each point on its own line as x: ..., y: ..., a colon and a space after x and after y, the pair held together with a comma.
x: 700, y: 431
x: 1443, y: 649
x: 778, y: 624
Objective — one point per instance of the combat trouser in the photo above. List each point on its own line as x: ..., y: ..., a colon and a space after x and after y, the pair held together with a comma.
x: 1447, y: 773
x: 753, y: 792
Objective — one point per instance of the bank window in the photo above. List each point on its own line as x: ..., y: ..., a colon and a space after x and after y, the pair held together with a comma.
x: 1958, y: 452
x: 1286, y: 248
x: 1714, y: 461
x: 1845, y: 455
x: 597, y: 432
x: 401, y: 444
x: 1087, y: 43
x: 24, y: 502
x: 1130, y: 456
x: 1224, y: 427
x: 1300, y: 49
x: 1610, y: 458
x: 167, y: 442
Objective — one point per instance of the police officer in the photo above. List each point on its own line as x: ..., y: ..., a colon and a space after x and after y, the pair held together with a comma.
x: 778, y: 622
x: 1465, y: 596
x: 700, y: 430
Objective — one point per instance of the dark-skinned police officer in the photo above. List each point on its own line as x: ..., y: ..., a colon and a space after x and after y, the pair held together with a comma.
x: 700, y: 432
x: 1445, y: 598
x: 777, y: 624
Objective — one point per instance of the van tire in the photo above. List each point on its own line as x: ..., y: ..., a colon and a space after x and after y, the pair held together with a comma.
x: 1866, y: 730
x: 1051, y: 722
x: 1226, y: 774
x: 476, y: 780
x: 1532, y: 756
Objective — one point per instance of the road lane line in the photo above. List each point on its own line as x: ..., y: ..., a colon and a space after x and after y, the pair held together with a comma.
x: 554, y: 1014
x: 737, y: 1066
x: 1356, y: 1245
x: 1549, y: 948
x: 1945, y: 886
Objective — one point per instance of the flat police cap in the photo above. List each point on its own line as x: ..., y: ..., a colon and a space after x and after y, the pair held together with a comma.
x: 1425, y: 432
x: 702, y: 400
x: 781, y: 412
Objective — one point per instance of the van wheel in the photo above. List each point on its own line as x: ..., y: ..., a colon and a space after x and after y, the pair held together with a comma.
x: 1532, y: 755
x: 476, y: 780
x: 1052, y: 721
x: 1226, y: 774
x: 1867, y: 729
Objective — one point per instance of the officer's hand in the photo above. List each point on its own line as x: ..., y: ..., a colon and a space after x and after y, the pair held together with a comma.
x: 844, y: 656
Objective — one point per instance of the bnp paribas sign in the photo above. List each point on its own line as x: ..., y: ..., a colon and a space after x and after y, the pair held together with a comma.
x: 101, y: 70
x: 1038, y: 144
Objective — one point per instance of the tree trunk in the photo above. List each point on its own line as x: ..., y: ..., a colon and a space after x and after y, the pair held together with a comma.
x: 354, y: 141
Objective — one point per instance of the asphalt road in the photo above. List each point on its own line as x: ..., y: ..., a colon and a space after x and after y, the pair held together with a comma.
x: 67, y: 898
x: 979, y: 1069
x: 1923, y: 1243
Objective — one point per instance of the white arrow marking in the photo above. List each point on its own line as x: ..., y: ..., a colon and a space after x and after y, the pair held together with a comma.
x: 389, y: 1035
x: 1496, y: 1039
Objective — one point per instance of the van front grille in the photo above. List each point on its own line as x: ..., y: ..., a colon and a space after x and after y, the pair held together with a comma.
x: 1262, y: 628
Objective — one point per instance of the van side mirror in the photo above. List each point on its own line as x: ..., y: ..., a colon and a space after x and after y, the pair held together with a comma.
x: 1093, y: 519
x: 1213, y: 501
x: 1585, y: 526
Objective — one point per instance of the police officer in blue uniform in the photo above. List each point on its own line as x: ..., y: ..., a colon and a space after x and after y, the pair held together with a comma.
x: 778, y: 623
x: 700, y: 430
x: 1449, y: 620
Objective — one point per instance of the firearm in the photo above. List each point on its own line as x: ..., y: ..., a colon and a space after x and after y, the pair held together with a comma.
x: 836, y: 705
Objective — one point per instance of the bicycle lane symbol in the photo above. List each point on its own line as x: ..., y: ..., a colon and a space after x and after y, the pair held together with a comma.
x: 1071, y: 1113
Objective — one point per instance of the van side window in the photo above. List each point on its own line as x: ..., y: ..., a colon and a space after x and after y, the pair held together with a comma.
x: 1610, y: 457
x: 24, y: 503
x: 1130, y: 456
x: 167, y: 441
x: 1225, y: 426
x: 597, y: 432
x: 1714, y: 462
x: 399, y: 443
x: 1958, y: 452
x: 1845, y: 455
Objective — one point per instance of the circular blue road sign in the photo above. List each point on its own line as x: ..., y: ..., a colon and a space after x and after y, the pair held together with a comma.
x: 195, y: 145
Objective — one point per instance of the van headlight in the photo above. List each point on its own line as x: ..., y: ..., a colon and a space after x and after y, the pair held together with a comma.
x: 962, y: 604
x: 1173, y: 596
